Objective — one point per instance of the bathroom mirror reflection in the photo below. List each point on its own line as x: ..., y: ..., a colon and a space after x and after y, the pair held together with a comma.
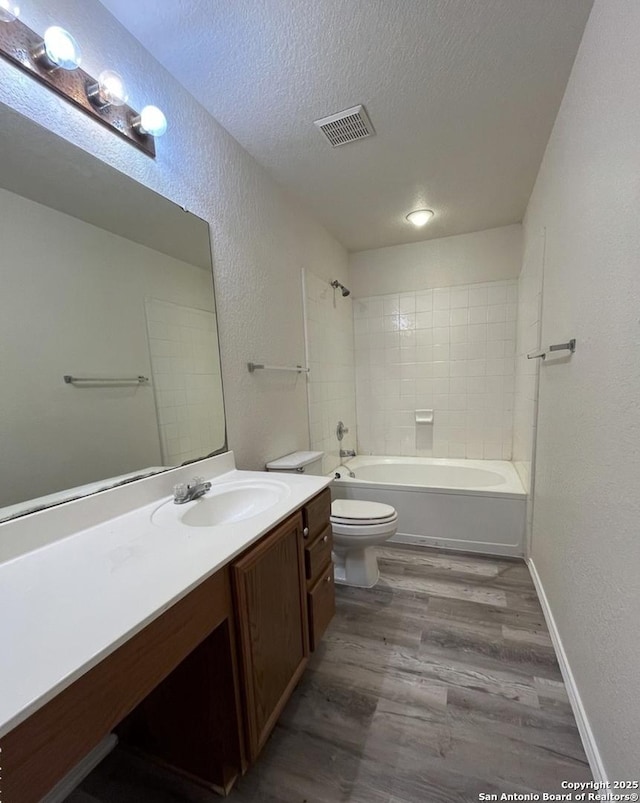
x: 111, y: 284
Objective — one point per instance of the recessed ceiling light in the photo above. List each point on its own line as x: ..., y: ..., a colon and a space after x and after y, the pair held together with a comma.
x: 420, y: 217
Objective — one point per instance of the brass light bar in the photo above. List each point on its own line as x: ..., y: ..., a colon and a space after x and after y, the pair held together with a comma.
x: 18, y: 43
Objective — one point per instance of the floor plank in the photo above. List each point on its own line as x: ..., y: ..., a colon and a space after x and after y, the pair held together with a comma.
x: 436, y: 685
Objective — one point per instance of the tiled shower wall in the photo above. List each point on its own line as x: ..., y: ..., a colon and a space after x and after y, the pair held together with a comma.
x: 528, y: 371
x: 451, y: 350
x: 183, y: 343
x: 525, y: 410
x: 330, y: 382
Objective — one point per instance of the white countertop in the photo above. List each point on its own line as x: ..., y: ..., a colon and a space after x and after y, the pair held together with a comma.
x: 67, y: 604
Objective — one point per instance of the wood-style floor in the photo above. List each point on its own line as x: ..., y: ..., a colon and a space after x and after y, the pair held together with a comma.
x: 436, y: 685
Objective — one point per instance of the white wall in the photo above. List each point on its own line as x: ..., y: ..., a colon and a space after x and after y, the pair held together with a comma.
x: 331, y: 381
x: 586, y: 529
x: 261, y: 236
x: 450, y: 350
x: 75, y: 304
x: 482, y: 256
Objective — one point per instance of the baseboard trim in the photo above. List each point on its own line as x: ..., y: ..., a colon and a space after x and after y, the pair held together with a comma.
x: 74, y: 777
x: 586, y: 734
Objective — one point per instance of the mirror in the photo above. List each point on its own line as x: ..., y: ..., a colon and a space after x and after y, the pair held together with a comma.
x: 110, y: 285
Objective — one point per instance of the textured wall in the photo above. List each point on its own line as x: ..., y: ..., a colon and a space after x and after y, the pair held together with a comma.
x: 331, y: 383
x: 482, y: 256
x: 586, y: 543
x: 261, y: 236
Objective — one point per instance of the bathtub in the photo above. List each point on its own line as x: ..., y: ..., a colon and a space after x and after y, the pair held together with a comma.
x: 469, y: 505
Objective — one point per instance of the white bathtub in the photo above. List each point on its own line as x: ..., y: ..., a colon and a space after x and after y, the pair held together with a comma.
x: 469, y: 505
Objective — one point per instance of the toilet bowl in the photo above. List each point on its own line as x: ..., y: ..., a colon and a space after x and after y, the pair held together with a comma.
x: 358, y: 526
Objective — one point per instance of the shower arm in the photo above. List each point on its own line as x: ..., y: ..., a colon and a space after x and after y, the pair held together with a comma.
x: 336, y: 284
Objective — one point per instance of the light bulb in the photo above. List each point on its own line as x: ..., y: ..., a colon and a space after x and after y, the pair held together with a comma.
x: 108, y: 91
x: 59, y: 49
x: 420, y: 217
x: 152, y: 121
x: 9, y: 12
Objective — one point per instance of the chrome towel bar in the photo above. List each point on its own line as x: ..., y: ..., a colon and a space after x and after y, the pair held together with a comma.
x: 256, y: 366
x: 99, y: 380
x: 542, y: 354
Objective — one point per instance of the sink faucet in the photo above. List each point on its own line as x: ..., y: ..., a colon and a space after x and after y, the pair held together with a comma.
x: 187, y: 492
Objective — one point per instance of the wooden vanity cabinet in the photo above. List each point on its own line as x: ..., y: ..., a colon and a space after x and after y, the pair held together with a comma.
x: 321, y: 603
x: 200, y: 687
x: 271, y: 615
x: 284, y: 600
x: 42, y: 749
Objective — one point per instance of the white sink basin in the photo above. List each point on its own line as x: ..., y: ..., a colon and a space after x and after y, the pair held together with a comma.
x: 225, y: 503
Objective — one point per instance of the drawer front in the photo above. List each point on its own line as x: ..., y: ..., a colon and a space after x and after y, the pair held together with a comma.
x: 316, y: 514
x: 318, y: 554
x: 322, y: 605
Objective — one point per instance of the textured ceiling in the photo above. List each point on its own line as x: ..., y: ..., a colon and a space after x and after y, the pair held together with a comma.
x: 462, y: 94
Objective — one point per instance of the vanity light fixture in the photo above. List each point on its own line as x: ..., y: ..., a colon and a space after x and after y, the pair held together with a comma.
x: 151, y: 120
x: 58, y: 50
x: 54, y: 60
x: 9, y: 11
x: 108, y: 90
x: 420, y: 217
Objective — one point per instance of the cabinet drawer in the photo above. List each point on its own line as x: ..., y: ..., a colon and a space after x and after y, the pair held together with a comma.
x: 318, y: 554
x: 322, y: 605
x: 316, y: 515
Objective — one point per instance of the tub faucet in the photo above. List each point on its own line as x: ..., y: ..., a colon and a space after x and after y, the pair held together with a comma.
x: 187, y: 492
x: 347, y: 453
x: 346, y: 468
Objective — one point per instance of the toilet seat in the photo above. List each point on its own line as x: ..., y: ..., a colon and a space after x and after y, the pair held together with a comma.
x: 358, y: 513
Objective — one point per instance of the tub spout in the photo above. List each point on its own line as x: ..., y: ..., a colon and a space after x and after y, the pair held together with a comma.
x: 338, y: 476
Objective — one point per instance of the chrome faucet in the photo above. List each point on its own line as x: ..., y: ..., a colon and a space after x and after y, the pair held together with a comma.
x: 187, y: 492
x: 347, y: 452
x: 346, y: 468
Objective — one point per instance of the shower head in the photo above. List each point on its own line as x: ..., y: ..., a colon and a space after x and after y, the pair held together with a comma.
x: 335, y: 284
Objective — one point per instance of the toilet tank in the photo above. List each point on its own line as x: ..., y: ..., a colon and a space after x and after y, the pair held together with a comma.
x: 298, y: 463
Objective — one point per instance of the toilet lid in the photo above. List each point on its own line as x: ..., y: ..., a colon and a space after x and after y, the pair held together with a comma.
x: 352, y: 510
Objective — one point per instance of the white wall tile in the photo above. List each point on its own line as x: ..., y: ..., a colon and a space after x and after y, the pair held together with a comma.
x: 449, y: 349
x: 187, y: 389
x: 527, y: 325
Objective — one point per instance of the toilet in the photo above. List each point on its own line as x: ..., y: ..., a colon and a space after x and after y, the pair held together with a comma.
x: 358, y: 526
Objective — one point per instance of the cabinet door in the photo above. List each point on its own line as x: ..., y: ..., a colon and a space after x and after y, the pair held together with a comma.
x: 269, y: 585
x: 322, y: 605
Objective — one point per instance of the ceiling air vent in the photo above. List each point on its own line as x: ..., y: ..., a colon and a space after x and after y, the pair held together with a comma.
x: 347, y: 126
